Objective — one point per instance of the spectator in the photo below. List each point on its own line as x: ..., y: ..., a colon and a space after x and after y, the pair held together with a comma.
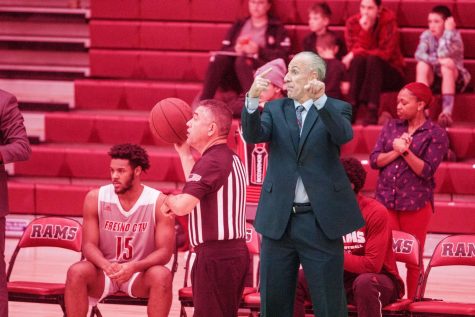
x: 439, y: 58
x: 250, y: 42
x: 14, y: 147
x: 274, y: 90
x: 375, y: 61
x: 214, y: 196
x: 126, y: 240
x: 371, y: 277
x: 407, y: 154
x: 306, y: 202
x: 336, y: 84
x: 319, y: 16
x: 255, y: 156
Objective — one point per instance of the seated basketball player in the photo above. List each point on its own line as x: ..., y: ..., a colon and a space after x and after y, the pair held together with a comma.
x: 126, y: 240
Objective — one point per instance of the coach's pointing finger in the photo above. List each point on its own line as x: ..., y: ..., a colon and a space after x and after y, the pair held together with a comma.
x: 260, y: 84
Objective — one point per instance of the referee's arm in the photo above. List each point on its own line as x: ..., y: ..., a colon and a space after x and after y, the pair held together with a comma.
x: 180, y: 205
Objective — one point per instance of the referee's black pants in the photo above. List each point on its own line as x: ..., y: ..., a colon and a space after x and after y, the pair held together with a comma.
x: 218, y: 277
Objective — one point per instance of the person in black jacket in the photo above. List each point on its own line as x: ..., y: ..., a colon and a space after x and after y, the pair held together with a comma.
x: 250, y: 43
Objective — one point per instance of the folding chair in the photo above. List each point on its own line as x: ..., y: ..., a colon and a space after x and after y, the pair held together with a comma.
x: 407, y: 250
x: 185, y: 294
x: 452, y: 250
x: 56, y: 232
x: 122, y: 298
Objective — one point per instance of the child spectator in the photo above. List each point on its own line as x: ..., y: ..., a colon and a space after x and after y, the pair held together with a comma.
x: 274, y: 90
x: 255, y: 156
x: 336, y: 83
x: 319, y: 16
x: 375, y: 61
x: 440, y: 60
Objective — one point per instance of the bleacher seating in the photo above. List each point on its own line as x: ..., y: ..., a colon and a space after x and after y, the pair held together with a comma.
x: 133, y: 95
x: 27, y: 24
x: 43, y: 47
x: 147, y: 50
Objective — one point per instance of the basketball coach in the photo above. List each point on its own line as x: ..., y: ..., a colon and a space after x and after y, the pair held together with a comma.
x: 307, y: 202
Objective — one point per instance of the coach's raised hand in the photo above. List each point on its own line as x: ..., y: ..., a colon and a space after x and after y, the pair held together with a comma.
x: 260, y: 84
x: 315, y: 88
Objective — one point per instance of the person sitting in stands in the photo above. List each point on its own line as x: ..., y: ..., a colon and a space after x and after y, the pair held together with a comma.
x: 319, y: 16
x: 255, y: 156
x: 275, y: 89
x: 250, y: 43
x: 439, y: 58
x: 374, y: 61
x: 336, y: 83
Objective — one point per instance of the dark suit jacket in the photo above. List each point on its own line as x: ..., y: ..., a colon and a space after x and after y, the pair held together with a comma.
x: 315, y: 157
x: 14, y: 145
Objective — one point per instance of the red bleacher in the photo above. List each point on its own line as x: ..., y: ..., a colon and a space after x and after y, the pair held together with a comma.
x: 136, y: 95
x: 144, y: 51
x: 162, y: 65
x: 21, y: 198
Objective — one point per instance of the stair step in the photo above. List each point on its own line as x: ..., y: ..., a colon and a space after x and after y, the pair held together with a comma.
x: 40, y: 91
x: 92, y: 161
x: 129, y: 94
x: 45, y: 10
x: 60, y: 196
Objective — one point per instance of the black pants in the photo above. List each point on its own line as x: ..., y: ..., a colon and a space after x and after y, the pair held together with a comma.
x: 369, y: 76
x: 369, y: 292
x: 3, y: 277
x: 322, y: 260
x: 218, y: 277
x: 223, y: 69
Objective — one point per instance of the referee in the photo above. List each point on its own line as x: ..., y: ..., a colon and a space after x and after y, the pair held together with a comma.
x: 214, y: 197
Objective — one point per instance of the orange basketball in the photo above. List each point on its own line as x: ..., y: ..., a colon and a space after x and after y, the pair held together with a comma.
x: 168, y: 120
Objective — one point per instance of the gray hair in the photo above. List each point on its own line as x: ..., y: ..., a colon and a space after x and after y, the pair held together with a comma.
x: 316, y: 63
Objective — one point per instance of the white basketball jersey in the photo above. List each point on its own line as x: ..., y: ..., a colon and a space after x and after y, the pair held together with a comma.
x: 126, y: 236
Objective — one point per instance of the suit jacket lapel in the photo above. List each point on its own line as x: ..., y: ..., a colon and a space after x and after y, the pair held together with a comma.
x: 310, y: 119
x: 291, y: 118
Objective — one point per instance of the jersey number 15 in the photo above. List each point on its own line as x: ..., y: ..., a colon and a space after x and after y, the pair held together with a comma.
x: 124, y: 248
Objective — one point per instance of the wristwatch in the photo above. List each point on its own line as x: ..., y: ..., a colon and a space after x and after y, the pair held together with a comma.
x: 405, y: 153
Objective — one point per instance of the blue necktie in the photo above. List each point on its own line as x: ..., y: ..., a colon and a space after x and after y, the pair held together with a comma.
x: 298, y: 112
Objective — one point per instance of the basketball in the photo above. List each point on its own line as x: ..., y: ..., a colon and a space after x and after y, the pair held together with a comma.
x: 168, y: 120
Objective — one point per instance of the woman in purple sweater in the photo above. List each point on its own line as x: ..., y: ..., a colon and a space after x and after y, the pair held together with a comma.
x: 407, y: 154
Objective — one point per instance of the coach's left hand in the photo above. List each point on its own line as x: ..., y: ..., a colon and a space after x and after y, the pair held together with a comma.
x: 315, y: 88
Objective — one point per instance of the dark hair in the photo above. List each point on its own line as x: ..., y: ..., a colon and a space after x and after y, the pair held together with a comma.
x: 377, y: 2
x: 355, y: 172
x: 270, y: 12
x: 326, y: 41
x: 444, y: 11
x: 135, y: 154
x: 321, y: 8
x: 222, y: 114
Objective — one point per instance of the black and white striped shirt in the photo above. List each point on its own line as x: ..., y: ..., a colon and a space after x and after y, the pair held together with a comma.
x: 218, y: 180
